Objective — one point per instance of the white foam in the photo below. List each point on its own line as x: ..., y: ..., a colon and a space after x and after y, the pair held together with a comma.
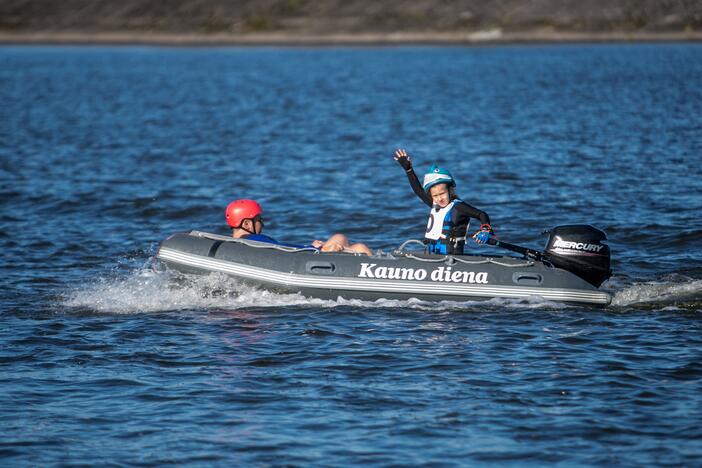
x: 658, y: 291
x: 145, y: 290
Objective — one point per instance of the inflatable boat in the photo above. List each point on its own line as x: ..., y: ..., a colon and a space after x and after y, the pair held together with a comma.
x: 570, y: 270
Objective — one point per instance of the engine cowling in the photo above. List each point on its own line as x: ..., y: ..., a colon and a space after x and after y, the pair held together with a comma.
x: 578, y: 248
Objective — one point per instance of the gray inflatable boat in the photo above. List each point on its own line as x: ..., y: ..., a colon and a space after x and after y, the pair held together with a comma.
x: 570, y: 270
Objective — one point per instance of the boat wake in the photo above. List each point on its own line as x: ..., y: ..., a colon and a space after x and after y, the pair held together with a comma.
x: 675, y: 291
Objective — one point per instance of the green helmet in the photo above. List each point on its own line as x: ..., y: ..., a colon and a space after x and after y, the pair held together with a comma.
x: 437, y: 175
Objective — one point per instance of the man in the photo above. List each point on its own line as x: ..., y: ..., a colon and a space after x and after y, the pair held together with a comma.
x: 245, y: 219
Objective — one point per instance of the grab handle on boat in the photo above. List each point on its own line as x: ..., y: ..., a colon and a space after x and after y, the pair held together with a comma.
x: 528, y: 279
x: 320, y: 268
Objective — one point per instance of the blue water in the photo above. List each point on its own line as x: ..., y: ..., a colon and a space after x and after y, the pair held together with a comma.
x: 106, y: 151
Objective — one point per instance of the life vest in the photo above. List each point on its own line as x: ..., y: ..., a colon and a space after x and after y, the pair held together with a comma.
x: 260, y: 238
x: 270, y: 240
x: 442, y: 235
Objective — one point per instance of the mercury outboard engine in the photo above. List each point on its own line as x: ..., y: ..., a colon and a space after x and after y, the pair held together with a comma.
x: 578, y: 248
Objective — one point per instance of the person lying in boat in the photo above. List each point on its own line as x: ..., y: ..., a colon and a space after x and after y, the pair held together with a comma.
x: 244, y: 217
x: 449, y: 216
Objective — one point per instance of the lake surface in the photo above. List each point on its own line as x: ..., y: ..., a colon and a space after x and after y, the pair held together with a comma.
x: 106, y: 151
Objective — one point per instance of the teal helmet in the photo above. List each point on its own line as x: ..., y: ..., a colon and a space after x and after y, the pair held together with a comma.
x: 437, y: 175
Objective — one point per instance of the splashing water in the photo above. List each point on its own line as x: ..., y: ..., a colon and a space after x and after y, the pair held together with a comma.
x: 146, y: 290
x: 688, y: 290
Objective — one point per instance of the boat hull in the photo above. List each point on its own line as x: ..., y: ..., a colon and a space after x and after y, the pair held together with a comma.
x: 402, y: 275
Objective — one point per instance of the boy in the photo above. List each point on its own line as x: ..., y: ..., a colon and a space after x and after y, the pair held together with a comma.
x: 449, y: 216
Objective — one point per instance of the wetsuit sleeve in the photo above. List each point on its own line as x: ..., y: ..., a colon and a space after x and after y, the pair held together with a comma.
x: 417, y: 188
x: 464, y: 209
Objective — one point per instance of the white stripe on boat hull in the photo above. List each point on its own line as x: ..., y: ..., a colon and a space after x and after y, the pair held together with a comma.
x: 359, y: 284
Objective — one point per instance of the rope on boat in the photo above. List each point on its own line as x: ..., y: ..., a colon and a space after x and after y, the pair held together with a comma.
x: 452, y: 259
x: 493, y: 261
x: 251, y: 243
x: 283, y: 248
x: 264, y: 245
x: 410, y: 241
x: 399, y: 251
x: 428, y: 260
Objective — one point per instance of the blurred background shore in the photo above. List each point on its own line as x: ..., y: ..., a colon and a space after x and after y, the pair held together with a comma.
x: 302, y: 22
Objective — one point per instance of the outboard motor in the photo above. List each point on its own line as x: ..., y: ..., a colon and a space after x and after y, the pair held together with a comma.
x: 578, y: 248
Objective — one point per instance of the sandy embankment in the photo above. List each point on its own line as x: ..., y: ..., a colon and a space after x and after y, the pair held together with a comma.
x: 493, y: 36
x: 340, y: 22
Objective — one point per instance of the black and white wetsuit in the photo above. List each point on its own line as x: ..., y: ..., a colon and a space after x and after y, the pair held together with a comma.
x: 447, y: 227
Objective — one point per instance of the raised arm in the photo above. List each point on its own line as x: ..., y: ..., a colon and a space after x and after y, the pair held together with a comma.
x: 404, y: 160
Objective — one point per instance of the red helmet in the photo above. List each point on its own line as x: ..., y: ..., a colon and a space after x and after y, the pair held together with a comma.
x: 239, y: 210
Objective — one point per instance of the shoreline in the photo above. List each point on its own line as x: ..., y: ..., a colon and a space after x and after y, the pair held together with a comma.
x: 487, y: 37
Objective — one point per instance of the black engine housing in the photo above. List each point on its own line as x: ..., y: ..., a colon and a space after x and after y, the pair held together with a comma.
x: 578, y: 248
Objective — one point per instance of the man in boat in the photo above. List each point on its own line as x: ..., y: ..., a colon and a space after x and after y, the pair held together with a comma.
x: 449, y: 216
x: 245, y: 219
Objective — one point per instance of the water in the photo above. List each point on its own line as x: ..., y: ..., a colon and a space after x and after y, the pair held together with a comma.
x: 106, y: 151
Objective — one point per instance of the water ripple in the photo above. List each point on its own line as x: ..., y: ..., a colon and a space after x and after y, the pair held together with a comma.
x: 106, y: 151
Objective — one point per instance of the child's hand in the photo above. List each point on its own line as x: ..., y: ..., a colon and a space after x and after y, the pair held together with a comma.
x: 482, y: 236
x: 403, y: 159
